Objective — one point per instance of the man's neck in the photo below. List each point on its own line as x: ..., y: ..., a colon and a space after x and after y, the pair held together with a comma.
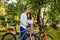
x: 25, y: 12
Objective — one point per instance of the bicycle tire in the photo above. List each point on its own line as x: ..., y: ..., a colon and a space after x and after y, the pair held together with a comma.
x: 36, y: 37
x: 3, y: 38
x: 47, y: 36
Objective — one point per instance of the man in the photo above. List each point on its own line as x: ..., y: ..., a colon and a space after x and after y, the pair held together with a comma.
x: 23, y: 21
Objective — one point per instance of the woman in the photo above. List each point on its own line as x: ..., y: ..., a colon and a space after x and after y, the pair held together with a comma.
x: 30, y: 22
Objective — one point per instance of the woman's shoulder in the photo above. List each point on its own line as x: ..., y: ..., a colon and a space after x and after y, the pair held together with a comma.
x: 32, y: 18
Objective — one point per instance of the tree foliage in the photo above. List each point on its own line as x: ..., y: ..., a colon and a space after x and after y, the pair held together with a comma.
x: 15, y: 9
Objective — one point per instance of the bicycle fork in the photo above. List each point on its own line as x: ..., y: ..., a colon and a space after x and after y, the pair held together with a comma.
x: 30, y: 37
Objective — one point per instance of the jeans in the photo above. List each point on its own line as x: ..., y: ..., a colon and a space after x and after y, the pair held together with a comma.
x: 22, y: 33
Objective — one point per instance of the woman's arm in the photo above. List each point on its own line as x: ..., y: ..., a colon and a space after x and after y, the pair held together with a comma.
x: 34, y: 22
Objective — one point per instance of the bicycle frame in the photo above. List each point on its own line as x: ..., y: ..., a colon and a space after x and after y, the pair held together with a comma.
x: 24, y: 33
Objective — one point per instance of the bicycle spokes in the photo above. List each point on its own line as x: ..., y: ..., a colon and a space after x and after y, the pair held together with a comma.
x: 32, y: 38
x: 9, y: 37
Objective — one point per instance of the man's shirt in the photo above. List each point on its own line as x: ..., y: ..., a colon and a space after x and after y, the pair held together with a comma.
x: 23, y: 20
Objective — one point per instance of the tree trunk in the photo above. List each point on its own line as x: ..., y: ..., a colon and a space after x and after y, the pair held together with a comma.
x: 38, y: 17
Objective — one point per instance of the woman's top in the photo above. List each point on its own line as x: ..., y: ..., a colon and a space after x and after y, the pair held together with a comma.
x: 31, y: 28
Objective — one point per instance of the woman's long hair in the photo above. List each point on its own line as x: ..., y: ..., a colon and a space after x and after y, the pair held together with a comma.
x: 29, y: 15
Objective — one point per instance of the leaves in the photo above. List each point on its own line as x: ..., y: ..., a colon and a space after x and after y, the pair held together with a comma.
x: 15, y: 9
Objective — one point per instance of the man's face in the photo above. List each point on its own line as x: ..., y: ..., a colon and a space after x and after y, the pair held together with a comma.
x: 28, y: 10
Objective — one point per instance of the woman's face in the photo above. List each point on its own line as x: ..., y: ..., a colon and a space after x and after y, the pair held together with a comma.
x: 28, y: 15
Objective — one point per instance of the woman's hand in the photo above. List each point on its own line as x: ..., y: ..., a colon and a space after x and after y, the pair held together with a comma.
x: 34, y: 23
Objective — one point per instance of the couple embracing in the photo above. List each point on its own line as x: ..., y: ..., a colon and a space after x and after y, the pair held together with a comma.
x: 26, y: 21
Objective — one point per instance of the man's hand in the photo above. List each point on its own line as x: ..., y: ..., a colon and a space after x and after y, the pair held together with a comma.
x: 28, y: 25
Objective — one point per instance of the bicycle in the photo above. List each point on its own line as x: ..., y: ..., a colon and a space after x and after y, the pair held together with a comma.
x: 11, y: 36
x: 42, y: 30
x: 44, y: 36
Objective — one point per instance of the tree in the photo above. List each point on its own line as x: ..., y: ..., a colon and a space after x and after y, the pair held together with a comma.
x: 15, y: 9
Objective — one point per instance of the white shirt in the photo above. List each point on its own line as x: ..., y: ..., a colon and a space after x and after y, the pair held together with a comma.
x: 23, y: 20
x: 30, y: 21
x: 31, y: 29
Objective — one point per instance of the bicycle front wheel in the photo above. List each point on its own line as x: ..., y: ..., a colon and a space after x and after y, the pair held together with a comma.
x: 48, y: 37
x: 8, y: 36
x: 33, y: 37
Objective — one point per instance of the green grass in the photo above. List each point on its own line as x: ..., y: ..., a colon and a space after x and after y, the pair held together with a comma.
x: 1, y: 36
x: 55, y: 33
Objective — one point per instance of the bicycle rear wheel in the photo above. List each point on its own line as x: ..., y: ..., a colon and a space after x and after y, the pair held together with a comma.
x: 48, y: 37
x: 8, y: 36
x: 33, y: 37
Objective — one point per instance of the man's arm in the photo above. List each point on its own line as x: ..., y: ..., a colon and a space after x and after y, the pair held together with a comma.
x: 22, y: 20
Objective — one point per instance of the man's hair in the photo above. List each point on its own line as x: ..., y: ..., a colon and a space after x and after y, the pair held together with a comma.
x: 25, y: 8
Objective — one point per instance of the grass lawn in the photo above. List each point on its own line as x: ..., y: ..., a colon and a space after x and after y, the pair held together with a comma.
x: 55, y: 33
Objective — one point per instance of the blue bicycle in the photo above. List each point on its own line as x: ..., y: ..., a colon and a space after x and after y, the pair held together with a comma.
x: 27, y: 36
